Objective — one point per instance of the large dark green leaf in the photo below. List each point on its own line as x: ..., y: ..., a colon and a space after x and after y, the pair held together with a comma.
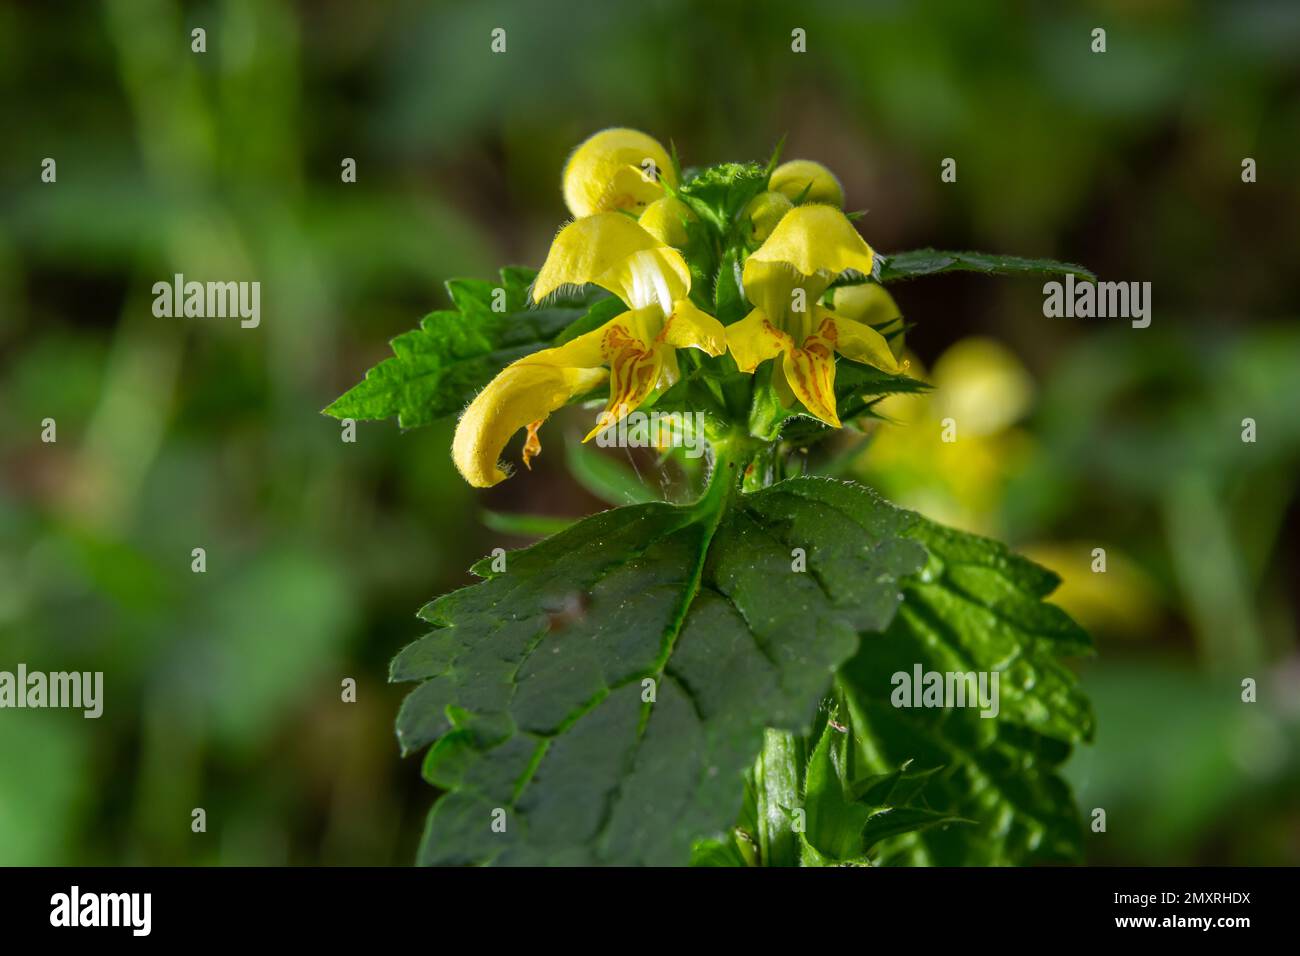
x: 924, y: 262
x: 532, y: 688
x: 439, y: 367
x: 976, y: 607
x: 533, y: 685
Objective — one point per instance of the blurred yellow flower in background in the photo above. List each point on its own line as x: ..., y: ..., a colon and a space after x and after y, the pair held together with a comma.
x: 980, y: 392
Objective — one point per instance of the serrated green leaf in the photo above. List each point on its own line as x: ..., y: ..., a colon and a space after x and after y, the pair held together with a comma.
x: 835, y: 820
x: 977, y: 607
x: 893, y: 821
x: 924, y: 262
x: 897, y: 788
x: 536, y: 677
x: 845, y: 821
x: 540, y: 668
x: 439, y: 367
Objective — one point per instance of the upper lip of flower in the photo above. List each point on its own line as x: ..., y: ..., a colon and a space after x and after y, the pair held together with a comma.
x: 810, y: 247
x: 616, y: 168
x: 637, y: 346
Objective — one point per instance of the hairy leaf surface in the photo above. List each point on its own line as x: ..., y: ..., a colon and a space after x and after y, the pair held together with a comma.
x: 533, y: 681
x: 536, y: 681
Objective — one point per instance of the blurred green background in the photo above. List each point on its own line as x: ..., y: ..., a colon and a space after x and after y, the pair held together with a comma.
x: 223, y: 688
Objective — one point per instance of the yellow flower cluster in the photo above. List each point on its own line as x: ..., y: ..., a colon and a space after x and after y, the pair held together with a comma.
x: 626, y: 237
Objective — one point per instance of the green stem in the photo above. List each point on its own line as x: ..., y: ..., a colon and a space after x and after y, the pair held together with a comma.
x: 776, y: 783
x: 743, y: 463
x: 730, y: 455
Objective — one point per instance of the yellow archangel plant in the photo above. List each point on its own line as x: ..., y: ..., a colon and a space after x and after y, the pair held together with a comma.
x: 635, y: 350
x: 618, y: 174
x: 757, y: 271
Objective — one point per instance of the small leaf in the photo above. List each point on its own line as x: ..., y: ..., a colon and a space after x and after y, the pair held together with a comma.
x: 438, y: 368
x: 717, y: 853
x: 835, y: 821
x: 924, y: 262
x: 894, y: 821
x: 892, y: 789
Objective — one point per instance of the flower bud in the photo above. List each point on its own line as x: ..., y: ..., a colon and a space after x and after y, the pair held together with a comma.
x: 764, y: 212
x: 794, y: 177
x: 616, y: 169
x: 666, y: 219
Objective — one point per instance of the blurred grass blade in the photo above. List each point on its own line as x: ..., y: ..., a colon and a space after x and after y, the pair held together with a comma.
x: 524, y: 525
x: 609, y: 480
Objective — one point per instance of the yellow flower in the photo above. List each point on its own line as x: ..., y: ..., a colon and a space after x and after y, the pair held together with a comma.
x: 636, y: 350
x: 785, y: 279
x: 869, y: 302
x: 666, y: 220
x: 764, y: 211
x: 616, y: 169
x: 798, y: 175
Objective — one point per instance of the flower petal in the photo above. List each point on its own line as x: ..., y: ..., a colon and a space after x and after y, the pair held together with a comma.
x: 754, y: 339
x: 867, y: 302
x: 763, y: 212
x: 666, y: 220
x: 634, y: 368
x: 586, y: 249
x: 813, y: 239
x: 859, y: 342
x: 519, y: 396
x: 810, y: 372
x: 609, y: 171
x: 870, y: 303
x: 584, y: 351
x: 809, y: 180
x: 783, y: 294
x: 691, y: 328
x: 649, y: 277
